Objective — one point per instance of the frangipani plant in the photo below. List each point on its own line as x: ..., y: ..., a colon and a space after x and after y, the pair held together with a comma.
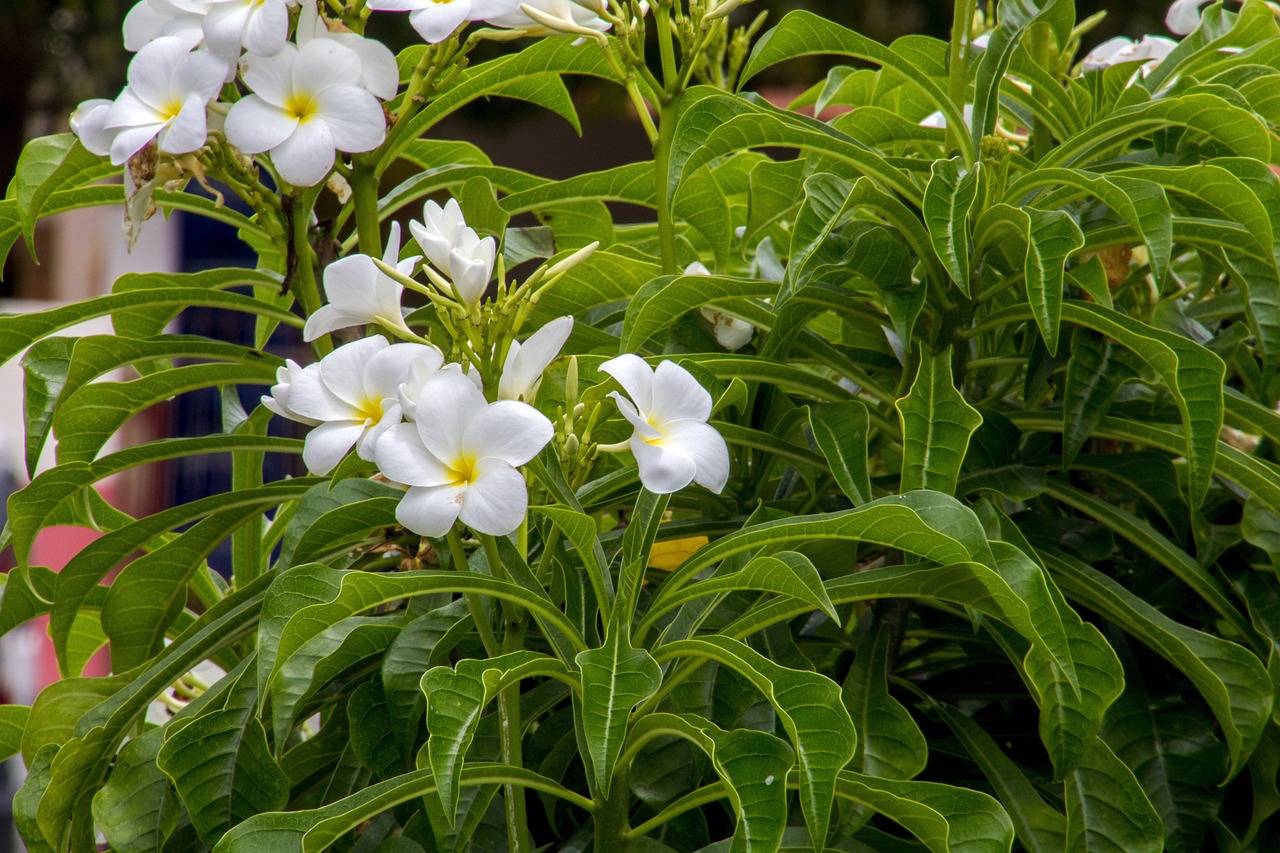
x: 942, y: 515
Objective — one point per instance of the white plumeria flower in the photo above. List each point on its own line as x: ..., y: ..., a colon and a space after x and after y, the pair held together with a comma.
x: 730, y: 332
x: 1150, y: 50
x: 673, y: 443
x: 89, y: 124
x: 543, y: 16
x: 379, y: 74
x: 260, y: 27
x: 278, y: 400
x: 435, y: 20
x: 166, y: 99
x: 525, y: 363
x: 438, y: 231
x: 455, y: 249
x: 1184, y: 16
x: 471, y: 265
x: 360, y: 293
x: 461, y: 463
x: 353, y: 394
x: 304, y: 107
x: 153, y: 19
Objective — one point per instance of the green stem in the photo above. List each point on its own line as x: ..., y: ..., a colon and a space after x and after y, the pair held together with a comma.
x: 518, y: 837
x: 666, y: 47
x: 478, y: 616
x: 662, y: 167
x: 1041, y: 52
x: 612, y: 815
x: 957, y: 70
x: 364, y: 190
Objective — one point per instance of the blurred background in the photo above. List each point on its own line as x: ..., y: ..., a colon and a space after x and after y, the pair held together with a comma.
x: 57, y: 53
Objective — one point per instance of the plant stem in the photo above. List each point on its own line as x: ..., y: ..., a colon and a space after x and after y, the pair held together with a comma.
x: 364, y: 189
x: 612, y: 816
x: 662, y: 167
x: 957, y: 76
x: 518, y: 837
x: 483, y: 628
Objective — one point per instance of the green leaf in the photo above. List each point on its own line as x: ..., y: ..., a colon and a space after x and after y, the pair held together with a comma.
x: 615, y: 679
x: 1040, y: 828
x: 937, y: 424
x: 1260, y: 526
x: 421, y: 644
x: 1051, y: 236
x: 1176, y: 758
x: 637, y: 542
x: 714, y: 124
x: 948, y: 198
x: 753, y: 767
x: 659, y: 303
x: 47, y: 165
x: 319, y: 661
x: 88, y: 417
x: 1238, y: 129
x: 1232, y: 681
x: 13, y: 721
x: 44, y: 373
x: 946, y: 818
x: 1107, y: 809
x: 809, y: 707
x: 136, y: 810
x: 92, y: 564
x: 890, y: 744
x: 315, y: 830
x: 840, y: 431
x: 456, y: 697
x: 788, y: 573
x: 802, y: 33
x: 1095, y: 372
x: 332, y: 517
x: 222, y: 767
x: 632, y: 184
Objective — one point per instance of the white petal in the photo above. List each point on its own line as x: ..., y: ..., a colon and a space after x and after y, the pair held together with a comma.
x: 254, y: 126
x: 663, y: 469
x: 435, y: 246
x: 390, y: 368
x: 328, y: 443
x: 677, y: 395
x: 470, y: 276
x: 270, y: 77
x: 635, y: 377
x: 328, y: 319
x: 307, y: 155
x: 436, y: 23
x: 224, y: 28
x: 369, y: 439
x: 200, y: 73
x: 130, y: 140
x: 188, y: 129
x: 379, y: 73
x: 643, y: 428
x: 402, y: 458
x: 142, y: 25
x: 323, y: 64
x: 507, y: 430
x: 445, y: 408
x: 1104, y: 54
x: 354, y: 117
x: 1184, y: 16
x: 526, y: 363
x: 706, y: 447
x: 430, y: 511
x: 151, y: 70
x: 89, y: 123
x: 267, y: 28
x: 343, y: 369
x: 496, y: 501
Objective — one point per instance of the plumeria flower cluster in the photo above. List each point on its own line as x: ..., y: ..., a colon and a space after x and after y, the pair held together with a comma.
x: 453, y: 433
x: 306, y: 88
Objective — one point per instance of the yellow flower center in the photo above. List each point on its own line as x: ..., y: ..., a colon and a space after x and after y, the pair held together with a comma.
x: 370, y: 409
x: 170, y: 110
x: 463, y: 470
x: 301, y: 105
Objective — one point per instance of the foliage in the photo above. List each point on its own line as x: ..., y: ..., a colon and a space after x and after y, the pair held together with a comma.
x: 995, y: 562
